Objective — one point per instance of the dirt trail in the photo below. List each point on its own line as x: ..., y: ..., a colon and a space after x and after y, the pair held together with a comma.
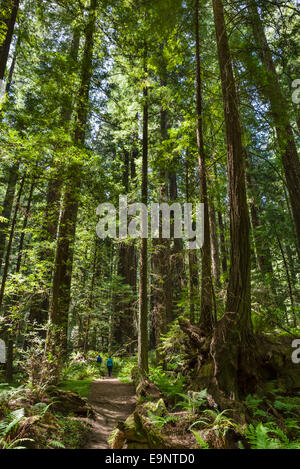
x: 113, y: 401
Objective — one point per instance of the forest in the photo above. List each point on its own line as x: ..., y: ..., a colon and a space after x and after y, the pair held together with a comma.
x: 188, y: 107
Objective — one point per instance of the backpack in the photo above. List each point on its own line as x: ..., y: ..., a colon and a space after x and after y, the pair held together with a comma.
x: 99, y: 359
x: 109, y: 362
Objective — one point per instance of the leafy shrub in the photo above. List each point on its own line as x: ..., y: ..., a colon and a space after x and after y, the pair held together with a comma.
x: 169, y: 384
x: 192, y: 401
x: 124, y: 369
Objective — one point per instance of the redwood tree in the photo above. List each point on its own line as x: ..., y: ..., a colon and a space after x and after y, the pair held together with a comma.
x: 232, y: 341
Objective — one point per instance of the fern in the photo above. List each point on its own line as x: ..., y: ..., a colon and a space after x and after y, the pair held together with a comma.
x: 56, y: 445
x: 13, y: 445
x: 259, y: 437
x: 192, y: 401
x: 160, y: 422
x: 202, y: 444
x: 216, y: 421
x: 12, y: 421
x: 288, y: 405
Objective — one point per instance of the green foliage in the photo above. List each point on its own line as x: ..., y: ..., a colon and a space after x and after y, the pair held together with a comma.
x: 9, y: 430
x: 72, y: 432
x: 172, y: 346
x: 83, y: 370
x: 193, y: 401
x: 202, y: 444
x: 215, y: 421
x: 82, y: 387
x: 159, y: 422
x: 56, y: 445
x: 124, y: 368
x: 288, y: 405
x: 264, y: 437
x: 7, y: 393
x: 169, y: 383
x: 264, y: 432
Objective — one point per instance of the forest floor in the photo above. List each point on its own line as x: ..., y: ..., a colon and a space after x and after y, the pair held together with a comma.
x: 113, y: 402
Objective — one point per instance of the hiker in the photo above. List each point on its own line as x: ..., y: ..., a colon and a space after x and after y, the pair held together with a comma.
x: 99, y: 359
x: 109, y: 365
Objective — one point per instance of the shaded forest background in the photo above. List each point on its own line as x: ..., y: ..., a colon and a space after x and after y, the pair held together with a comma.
x: 165, y: 101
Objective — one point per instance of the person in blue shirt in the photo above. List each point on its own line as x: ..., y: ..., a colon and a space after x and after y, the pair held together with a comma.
x: 109, y: 365
x: 99, y: 359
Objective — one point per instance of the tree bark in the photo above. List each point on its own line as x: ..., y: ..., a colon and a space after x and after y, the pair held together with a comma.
x: 10, y: 241
x: 161, y: 311
x: 263, y: 254
x: 143, y: 289
x: 7, y: 331
x: 231, y: 344
x: 127, y: 270
x: 7, y: 208
x: 22, y: 237
x: 193, y: 265
x: 222, y: 243
x: 207, y: 314
x: 10, y: 22
x: 215, y: 257
x: 177, y: 261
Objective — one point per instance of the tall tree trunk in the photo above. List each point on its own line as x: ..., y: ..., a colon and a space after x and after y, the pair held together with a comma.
x: 22, y: 237
x: 288, y: 277
x: 222, y: 243
x: 193, y: 264
x: 10, y: 337
x: 143, y: 290
x: 161, y: 311
x: 10, y: 21
x: 215, y: 257
x: 10, y: 241
x: 263, y: 254
x: 61, y: 290
x: 90, y: 302
x: 7, y: 331
x: 127, y: 270
x: 207, y: 316
x: 177, y: 261
x: 7, y: 208
x: 231, y: 345
x: 280, y: 113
